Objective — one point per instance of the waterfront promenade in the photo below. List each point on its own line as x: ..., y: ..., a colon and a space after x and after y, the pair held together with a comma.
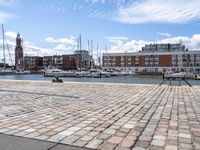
x: 101, y: 116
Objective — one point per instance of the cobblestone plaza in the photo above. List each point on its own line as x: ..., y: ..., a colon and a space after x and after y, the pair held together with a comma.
x: 102, y: 116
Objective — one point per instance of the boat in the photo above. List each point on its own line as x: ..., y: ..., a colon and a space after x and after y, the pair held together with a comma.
x: 196, y: 76
x: 97, y: 73
x: 22, y: 72
x: 127, y: 73
x: 171, y: 74
x: 4, y: 70
x: 81, y: 73
x: 59, y: 73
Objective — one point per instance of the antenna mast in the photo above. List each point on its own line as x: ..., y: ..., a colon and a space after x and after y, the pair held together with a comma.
x: 77, y: 44
x: 4, y: 55
x: 80, y: 41
x: 91, y: 48
x: 88, y: 46
x: 97, y: 53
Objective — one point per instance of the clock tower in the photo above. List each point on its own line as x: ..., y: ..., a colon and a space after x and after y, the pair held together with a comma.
x: 19, y: 53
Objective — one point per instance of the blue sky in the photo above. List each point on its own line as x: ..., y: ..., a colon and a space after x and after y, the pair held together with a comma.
x: 52, y: 26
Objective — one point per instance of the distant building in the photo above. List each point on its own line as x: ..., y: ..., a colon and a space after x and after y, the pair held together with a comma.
x: 19, y: 53
x: 65, y: 62
x: 69, y: 62
x: 53, y: 61
x: 154, y: 58
x: 84, y: 59
x: 33, y: 63
x: 164, y: 48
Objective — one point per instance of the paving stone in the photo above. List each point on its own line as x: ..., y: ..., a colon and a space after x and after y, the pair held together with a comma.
x: 171, y: 147
x: 127, y: 143
x: 70, y: 139
x: 186, y: 146
x: 142, y: 144
x: 121, y: 134
x: 145, y: 138
x: 158, y: 143
x: 156, y: 148
x: 109, y: 131
x: 184, y: 135
x: 108, y: 146
x: 115, y: 139
x: 80, y: 143
x: 196, y: 145
x: 56, y: 138
x: 94, y: 144
x: 186, y: 140
x: 103, y: 136
x: 197, y: 139
x: 159, y: 137
x: 67, y: 132
x: 115, y: 115
x: 122, y: 148
x: 138, y: 148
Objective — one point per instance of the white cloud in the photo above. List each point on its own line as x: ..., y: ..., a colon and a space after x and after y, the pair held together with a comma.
x: 192, y: 43
x: 159, y: 11
x: 117, y: 2
x: 164, y: 34
x: 118, y: 40
x: 11, y: 34
x: 50, y: 40
x: 68, y: 40
x: 4, y: 16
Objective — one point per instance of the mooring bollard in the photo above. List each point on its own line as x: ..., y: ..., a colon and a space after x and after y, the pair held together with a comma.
x: 57, y: 80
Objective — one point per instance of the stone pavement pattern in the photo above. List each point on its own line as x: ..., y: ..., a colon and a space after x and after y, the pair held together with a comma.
x: 102, y: 116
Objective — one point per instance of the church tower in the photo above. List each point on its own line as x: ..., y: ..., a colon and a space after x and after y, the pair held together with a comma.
x: 19, y: 53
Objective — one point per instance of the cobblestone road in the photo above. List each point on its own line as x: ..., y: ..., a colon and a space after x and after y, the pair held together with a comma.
x: 102, y: 116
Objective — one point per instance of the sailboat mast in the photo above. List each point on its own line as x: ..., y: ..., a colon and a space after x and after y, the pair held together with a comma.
x: 97, y: 54
x: 4, y: 55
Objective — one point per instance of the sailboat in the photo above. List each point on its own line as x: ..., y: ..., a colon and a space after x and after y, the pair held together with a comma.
x: 3, y: 70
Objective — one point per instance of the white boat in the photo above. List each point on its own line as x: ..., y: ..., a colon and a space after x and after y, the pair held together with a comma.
x: 59, y: 73
x: 81, y: 74
x: 127, y: 73
x: 22, y: 72
x: 6, y: 72
x: 98, y: 74
x: 196, y: 76
x: 178, y: 75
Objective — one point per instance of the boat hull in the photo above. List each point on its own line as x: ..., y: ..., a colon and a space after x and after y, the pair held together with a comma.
x: 7, y: 73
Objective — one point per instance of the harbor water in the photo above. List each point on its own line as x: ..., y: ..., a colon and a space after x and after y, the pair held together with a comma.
x: 135, y: 79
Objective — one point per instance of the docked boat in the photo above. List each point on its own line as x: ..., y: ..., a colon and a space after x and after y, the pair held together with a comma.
x: 178, y: 75
x: 196, y: 76
x: 98, y: 74
x: 59, y: 73
x: 81, y: 73
x: 22, y: 72
x: 6, y: 72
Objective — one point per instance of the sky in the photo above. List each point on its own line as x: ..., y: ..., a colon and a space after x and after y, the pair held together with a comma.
x: 51, y: 27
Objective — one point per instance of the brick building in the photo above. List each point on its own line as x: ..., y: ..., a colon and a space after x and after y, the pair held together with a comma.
x: 81, y: 59
x: 33, y: 63
x: 69, y: 62
x: 154, y: 58
x: 53, y: 61
x: 65, y: 62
